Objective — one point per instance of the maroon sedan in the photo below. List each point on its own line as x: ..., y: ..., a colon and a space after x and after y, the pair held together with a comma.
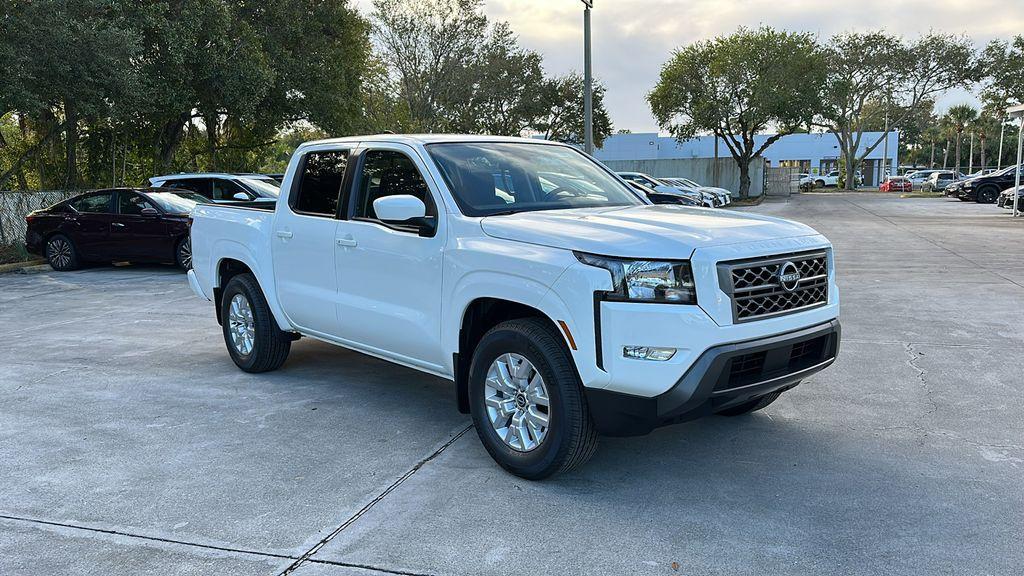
x: 123, y: 224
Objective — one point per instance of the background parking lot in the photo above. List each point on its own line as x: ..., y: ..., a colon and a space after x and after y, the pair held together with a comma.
x: 130, y: 443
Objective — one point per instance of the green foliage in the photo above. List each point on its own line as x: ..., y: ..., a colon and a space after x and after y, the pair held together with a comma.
x: 145, y: 87
x: 1004, y: 68
x: 562, y: 119
x: 739, y: 85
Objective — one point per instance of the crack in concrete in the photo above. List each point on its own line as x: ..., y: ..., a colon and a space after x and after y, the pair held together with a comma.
x: 213, y: 547
x: 307, y: 556
x: 913, y: 357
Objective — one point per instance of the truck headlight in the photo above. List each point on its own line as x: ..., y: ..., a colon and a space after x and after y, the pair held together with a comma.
x: 664, y: 281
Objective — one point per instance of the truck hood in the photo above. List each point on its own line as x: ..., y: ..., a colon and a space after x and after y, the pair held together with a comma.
x: 648, y: 231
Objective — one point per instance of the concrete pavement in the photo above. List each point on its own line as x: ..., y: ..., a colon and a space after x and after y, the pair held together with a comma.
x: 130, y: 444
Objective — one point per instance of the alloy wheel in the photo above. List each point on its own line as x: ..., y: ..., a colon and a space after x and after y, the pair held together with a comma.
x: 58, y: 252
x: 185, y: 254
x: 517, y: 402
x: 241, y: 324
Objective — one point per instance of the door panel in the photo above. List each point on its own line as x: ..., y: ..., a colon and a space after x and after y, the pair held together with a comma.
x: 89, y: 228
x: 389, y: 279
x: 134, y: 236
x: 303, y: 242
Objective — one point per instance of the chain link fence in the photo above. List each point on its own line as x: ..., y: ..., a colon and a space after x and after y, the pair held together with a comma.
x: 14, y: 206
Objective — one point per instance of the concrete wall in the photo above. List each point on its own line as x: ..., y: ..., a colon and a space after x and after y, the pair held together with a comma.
x: 700, y: 170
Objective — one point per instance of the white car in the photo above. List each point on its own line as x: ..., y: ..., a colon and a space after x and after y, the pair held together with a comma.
x: 827, y: 180
x: 559, y: 311
x: 662, y: 187
x: 919, y: 177
x: 223, y: 187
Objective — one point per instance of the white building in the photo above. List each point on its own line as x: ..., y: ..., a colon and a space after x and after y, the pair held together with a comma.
x: 811, y: 153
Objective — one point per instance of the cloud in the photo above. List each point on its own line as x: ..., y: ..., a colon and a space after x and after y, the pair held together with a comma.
x: 633, y: 38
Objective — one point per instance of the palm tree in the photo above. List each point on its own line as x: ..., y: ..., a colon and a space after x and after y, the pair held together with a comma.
x: 959, y: 118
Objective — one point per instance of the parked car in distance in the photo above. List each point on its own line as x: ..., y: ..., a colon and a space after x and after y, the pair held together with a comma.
x: 558, y: 313
x: 896, y: 184
x: 661, y: 198
x: 718, y: 196
x: 663, y: 188
x: 919, y: 177
x: 120, y: 224
x: 223, y: 187
x: 1005, y: 198
x: 939, y: 180
x: 828, y: 180
x: 986, y: 189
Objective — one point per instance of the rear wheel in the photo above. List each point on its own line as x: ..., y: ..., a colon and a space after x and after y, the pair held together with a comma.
x: 61, y: 253
x: 183, y: 254
x: 819, y: 183
x: 751, y: 406
x: 252, y: 336
x: 527, y: 400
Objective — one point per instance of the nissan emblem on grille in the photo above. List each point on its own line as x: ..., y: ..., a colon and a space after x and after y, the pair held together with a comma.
x: 789, y: 276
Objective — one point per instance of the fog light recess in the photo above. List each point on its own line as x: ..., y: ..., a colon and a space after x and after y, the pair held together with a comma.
x: 654, y: 353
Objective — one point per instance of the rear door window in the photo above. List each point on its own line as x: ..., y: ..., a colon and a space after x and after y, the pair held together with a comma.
x: 319, y: 188
x: 93, y: 204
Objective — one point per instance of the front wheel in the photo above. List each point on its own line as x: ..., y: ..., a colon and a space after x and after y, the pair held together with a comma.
x: 986, y: 196
x: 255, y: 342
x: 527, y: 400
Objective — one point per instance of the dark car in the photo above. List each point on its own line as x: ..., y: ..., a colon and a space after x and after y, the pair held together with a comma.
x: 986, y: 189
x: 122, y: 224
x: 662, y: 198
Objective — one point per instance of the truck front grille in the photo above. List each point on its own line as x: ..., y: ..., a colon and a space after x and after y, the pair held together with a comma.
x: 775, y: 285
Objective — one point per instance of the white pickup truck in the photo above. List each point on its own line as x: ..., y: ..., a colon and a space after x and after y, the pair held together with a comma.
x: 560, y: 303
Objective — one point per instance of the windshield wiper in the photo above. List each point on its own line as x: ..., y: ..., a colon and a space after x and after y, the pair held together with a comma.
x: 505, y: 213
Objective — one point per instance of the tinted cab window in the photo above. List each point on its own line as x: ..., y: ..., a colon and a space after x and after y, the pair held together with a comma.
x: 224, y: 189
x: 200, y: 186
x: 319, y: 187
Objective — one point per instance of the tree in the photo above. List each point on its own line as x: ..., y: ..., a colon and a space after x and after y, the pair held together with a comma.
x: 959, y: 118
x: 878, y: 67
x: 563, y: 117
x: 505, y: 80
x: 738, y: 86
x: 430, y: 44
x: 1004, y: 72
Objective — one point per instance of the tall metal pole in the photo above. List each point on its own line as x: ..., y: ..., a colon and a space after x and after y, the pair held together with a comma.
x: 970, y: 162
x: 588, y: 86
x: 1016, y: 183
x: 999, y: 158
x: 885, y: 147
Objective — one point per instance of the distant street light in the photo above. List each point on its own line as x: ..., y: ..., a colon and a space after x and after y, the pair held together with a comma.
x: 588, y: 87
x: 1017, y: 112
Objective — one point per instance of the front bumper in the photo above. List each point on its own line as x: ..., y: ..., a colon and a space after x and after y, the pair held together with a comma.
x: 722, y: 377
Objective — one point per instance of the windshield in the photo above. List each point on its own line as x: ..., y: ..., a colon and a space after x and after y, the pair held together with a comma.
x: 177, y: 202
x: 263, y: 187
x: 490, y: 178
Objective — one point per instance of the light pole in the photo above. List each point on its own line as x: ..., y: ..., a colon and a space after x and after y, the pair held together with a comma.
x: 588, y: 83
x: 1017, y: 112
x: 1002, y: 130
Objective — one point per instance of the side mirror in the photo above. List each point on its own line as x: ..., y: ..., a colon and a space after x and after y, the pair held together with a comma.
x: 404, y: 209
x: 149, y: 211
x: 241, y: 196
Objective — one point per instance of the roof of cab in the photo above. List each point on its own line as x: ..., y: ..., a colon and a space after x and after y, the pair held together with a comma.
x: 420, y: 139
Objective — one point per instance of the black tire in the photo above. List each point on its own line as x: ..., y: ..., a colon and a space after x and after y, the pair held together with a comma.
x: 751, y: 406
x: 61, y: 253
x: 819, y: 183
x: 570, y: 438
x: 269, y: 345
x: 183, y: 253
x: 986, y: 195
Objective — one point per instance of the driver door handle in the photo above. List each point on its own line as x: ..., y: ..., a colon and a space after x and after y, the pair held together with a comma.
x: 118, y: 224
x: 348, y: 241
x: 284, y: 234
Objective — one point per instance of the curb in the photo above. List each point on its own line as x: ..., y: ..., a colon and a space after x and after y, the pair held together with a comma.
x: 25, y: 267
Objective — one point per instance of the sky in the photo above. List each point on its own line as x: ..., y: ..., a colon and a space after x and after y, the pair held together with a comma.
x: 633, y: 38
